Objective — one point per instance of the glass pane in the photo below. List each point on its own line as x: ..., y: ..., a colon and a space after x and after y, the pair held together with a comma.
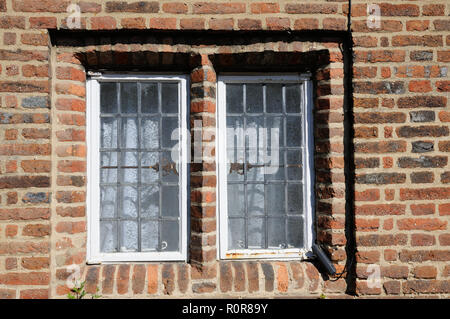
x: 149, y: 97
x: 276, y: 233
x: 274, y: 98
x: 255, y: 173
x: 235, y: 131
x: 169, y: 205
x: 108, y: 159
x: 274, y: 168
x: 169, y: 169
x: 129, y: 202
x: 234, y: 98
x: 108, y: 133
x: 293, y: 131
x: 275, y: 132
x: 293, y: 98
x: 130, y: 175
x: 235, y: 148
x: 295, y: 199
x: 169, y: 125
x: 150, y: 132
x: 149, y: 235
x: 294, y: 163
x: 295, y: 232
x: 129, y: 167
x: 150, y: 201
x: 130, y: 159
x: 108, y: 236
x: 170, y: 235
x: 256, y: 233
x: 275, y: 198
x: 108, y: 97
x: 129, y: 132
x: 236, y: 233
x: 128, y: 97
x: 255, y: 199
x: 254, y: 98
x: 108, y: 204
x: 255, y: 131
x: 128, y: 235
x: 149, y: 167
x: 169, y: 97
x: 108, y: 175
x: 236, y: 200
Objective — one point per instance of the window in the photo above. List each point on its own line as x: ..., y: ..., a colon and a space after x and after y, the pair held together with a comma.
x: 137, y: 172
x: 265, y: 166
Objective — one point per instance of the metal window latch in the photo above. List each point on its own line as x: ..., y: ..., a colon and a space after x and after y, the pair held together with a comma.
x: 239, y: 167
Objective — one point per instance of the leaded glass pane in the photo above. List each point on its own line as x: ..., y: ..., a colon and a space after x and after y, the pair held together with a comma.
x: 264, y: 165
x: 139, y: 176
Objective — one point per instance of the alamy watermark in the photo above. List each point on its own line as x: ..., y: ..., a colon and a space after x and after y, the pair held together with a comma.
x: 373, y: 16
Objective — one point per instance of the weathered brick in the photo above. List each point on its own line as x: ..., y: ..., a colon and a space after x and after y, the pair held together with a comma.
x: 422, y: 161
x: 134, y: 7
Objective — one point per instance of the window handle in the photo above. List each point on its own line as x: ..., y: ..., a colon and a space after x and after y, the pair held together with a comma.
x: 155, y: 167
x: 237, y: 167
x: 170, y: 167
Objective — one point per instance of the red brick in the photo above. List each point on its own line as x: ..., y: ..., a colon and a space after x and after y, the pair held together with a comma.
x: 367, y: 225
x: 163, y: 23
x: 103, y: 23
x: 108, y: 279
x: 71, y: 227
x: 422, y: 209
x: 221, y: 24
x: 263, y: 7
x: 42, y: 22
x: 420, y: 86
x: 249, y: 24
x: 35, y: 263
x: 152, y: 280
x: 277, y: 23
x: 34, y: 39
x: 135, y: 7
x: 29, y: 278
x: 133, y: 23
x: 335, y: 23
x: 175, y: 7
x: 138, y: 279
x: 168, y: 279
x: 422, y: 240
x: 444, y: 239
x: 218, y: 8
x: 122, y: 278
x: 424, y: 193
x: 11, y: 230
x: 35, y: 71
x: 192, y: 24
x: 417, y: 25
x: 433, y: 10
x: 428, y: 224
x: 426, y: 286
x: 69, y: 73
x: 34, y: 294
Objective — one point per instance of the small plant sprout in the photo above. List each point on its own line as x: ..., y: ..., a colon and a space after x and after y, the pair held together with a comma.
x: 78, y: 292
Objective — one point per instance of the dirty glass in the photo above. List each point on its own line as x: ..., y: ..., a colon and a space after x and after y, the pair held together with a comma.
x: 264, y: 165
x: 139, y: 181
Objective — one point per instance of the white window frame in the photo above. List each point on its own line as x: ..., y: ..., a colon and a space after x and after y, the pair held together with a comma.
x: 308, y: 160
x: 94, y: 256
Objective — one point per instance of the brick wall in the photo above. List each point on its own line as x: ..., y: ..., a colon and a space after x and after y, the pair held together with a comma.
x: 400, y: 97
